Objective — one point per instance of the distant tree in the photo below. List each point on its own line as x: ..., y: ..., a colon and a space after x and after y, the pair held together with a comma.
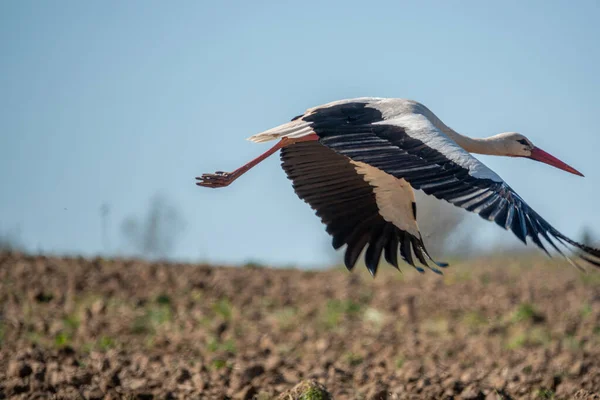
x: 154, y: 235
x: 587, y: 237
x: 11, y: 241
x: 104, y: 216
x: 438, y: 222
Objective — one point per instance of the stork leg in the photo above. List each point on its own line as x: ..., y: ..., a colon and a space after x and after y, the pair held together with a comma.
x: 223, y: 179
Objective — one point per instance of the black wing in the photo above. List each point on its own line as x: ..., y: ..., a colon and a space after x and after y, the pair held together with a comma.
x: 360, y: 132
x: 346, y: 204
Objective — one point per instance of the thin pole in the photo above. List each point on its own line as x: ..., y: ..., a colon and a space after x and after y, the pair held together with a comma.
x: 104, y: 214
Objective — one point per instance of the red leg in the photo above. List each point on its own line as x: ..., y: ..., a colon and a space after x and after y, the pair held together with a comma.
x: 223, y: 179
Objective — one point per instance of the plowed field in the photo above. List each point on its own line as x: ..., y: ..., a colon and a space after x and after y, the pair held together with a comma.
x: 488, y: 329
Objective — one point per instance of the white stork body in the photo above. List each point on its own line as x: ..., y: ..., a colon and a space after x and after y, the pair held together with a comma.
x: 357, y: 161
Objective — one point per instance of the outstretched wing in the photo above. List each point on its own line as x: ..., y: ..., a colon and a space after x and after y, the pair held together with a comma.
x: 409, y: 146
x: 360, y: 205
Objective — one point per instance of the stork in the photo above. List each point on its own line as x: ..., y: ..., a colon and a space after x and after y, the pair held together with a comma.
x: 356, y: 162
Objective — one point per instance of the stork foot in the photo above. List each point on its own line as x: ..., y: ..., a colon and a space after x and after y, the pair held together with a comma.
x: 217, y: 180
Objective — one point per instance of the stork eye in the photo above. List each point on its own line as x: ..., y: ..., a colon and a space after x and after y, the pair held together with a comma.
x: 523, y: 141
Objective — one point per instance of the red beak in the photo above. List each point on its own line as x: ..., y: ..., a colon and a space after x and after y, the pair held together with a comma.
x: 540, y: 155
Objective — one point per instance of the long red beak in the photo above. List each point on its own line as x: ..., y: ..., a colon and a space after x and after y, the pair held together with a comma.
x: 540, y: 155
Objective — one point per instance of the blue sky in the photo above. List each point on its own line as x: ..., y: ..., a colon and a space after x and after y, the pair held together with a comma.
x: 116, y: 101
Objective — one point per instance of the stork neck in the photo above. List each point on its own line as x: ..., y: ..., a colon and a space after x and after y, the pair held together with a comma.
x: 489, y: 146
x: 475, y: 145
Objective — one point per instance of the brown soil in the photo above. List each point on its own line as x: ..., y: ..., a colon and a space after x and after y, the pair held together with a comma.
x: 495, y: 328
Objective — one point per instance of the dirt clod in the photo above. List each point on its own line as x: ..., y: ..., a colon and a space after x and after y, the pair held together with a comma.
x: 306, y: 390
x: 584, y: 394
x: 248, y: 393
x: 377, y: 392
x: 16, y: 386
x: 253, y: 371
x: 184, y: 375
x: 472, y: 393
x: 18, y: 369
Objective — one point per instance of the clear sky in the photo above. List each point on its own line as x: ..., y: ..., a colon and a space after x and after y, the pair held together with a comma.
x: 115, y: 101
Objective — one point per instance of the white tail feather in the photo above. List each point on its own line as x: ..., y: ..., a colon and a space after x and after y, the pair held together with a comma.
x: 293, y: 129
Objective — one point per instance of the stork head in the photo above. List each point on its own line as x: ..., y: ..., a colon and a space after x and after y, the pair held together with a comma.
x: 514, y: 144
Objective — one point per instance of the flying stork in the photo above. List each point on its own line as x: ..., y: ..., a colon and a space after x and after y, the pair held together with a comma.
x: 356, y: 162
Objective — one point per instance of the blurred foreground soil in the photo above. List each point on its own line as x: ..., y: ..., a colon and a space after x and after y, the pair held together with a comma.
x: 495, y: 328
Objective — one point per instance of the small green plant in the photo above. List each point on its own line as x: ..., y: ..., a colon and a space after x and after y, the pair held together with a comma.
x: 544, y: 393
x: 159, y: 315
x: 87, y: 347
x: 34, y: 337
x: 540, y: 336
x: 106, y: 343
x: 213, y: 344
x: 400, y: 362
x: 527, y: 313
x: 517, y: 342
x: 336, y: 310
x: 196, y: 295
x: 572, y: 342
x: 286, y: 318
x: 310, y: 390
x: 62, y: 339
x: 223, y: 308
x: 474, y: 320
x: 586, y: 310
x: 531, y: 338
x: 218, y: 364
x: 154, y: 316
x: 353, y: 359
x: 485, y: 278
x: 312, y: 394
x: 229, y: 346
x: 71, y: 322
x: 163, y: 299
x: 524, y: 312
x: 141, y: 326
